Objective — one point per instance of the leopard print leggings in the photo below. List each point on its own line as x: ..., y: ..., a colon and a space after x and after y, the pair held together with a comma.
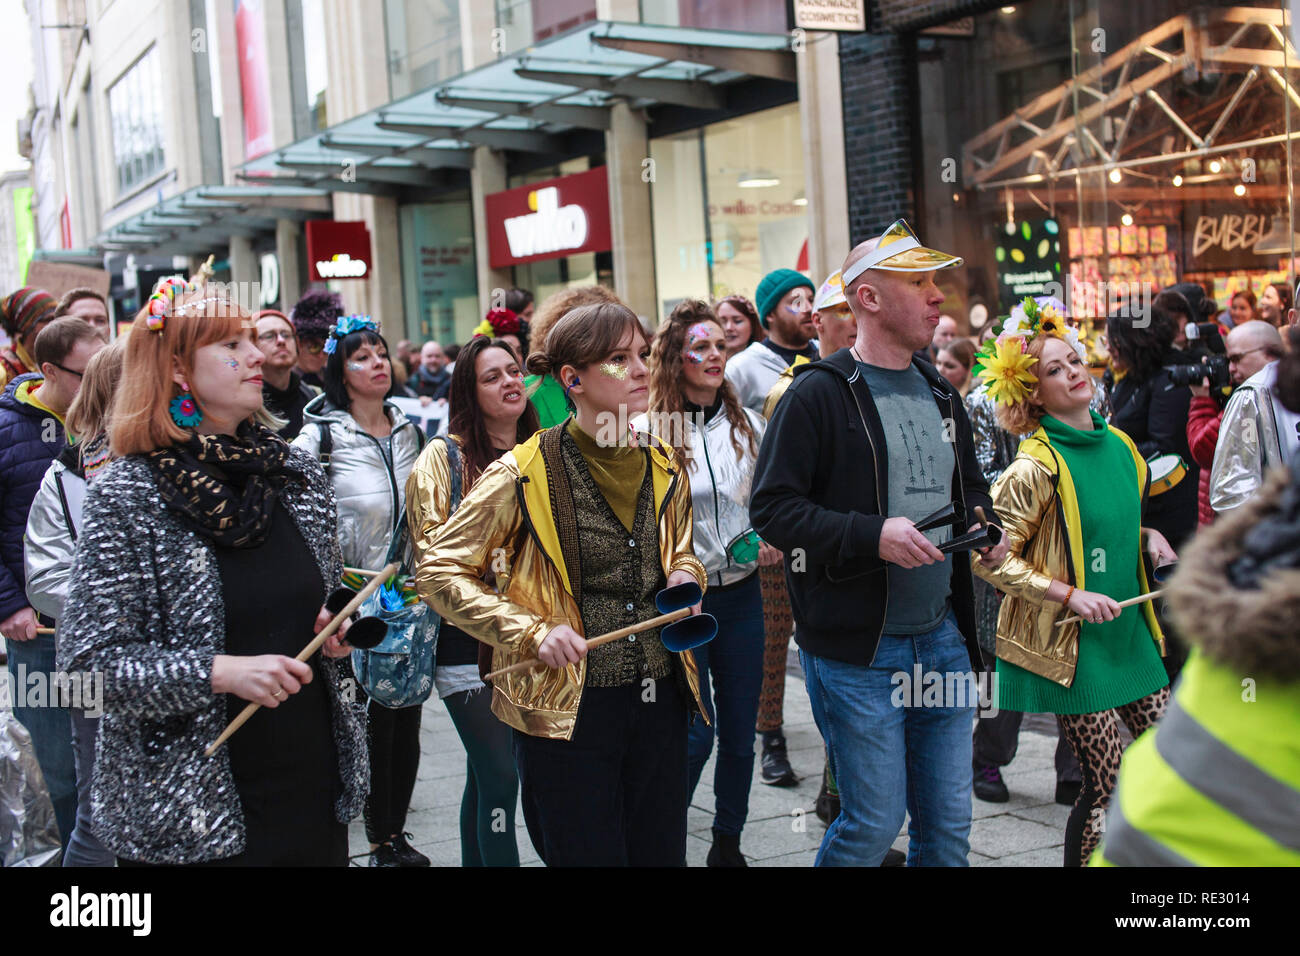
x: 1094, y: 738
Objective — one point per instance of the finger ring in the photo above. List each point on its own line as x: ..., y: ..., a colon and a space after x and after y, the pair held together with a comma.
x: 278, y: 692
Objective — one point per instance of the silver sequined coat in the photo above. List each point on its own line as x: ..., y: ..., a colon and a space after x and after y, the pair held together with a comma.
x: 145, y: 611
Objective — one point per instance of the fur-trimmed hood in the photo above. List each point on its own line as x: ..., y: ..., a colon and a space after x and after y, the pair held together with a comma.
x: 1256, y: 630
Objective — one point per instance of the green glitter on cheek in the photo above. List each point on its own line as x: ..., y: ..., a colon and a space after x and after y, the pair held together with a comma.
x: 614, y: 371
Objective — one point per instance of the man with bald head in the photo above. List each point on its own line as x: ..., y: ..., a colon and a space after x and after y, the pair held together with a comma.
x: 864, y: 445
x: 1257, y: 432
x: 944, y: 333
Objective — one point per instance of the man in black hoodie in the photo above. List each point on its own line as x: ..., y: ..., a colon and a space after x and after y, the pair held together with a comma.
x: 864, y: 445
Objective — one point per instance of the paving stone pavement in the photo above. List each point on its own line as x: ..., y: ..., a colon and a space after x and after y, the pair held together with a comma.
x: 782, y: 829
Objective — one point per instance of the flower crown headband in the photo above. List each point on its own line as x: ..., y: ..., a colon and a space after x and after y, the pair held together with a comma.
x: 1003, y: 363
x: 345, y: 326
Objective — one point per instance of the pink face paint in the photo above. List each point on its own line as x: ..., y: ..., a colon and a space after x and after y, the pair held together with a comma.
x: 614, y: 370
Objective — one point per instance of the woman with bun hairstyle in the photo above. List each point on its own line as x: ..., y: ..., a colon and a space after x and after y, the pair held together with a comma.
x: 1071, y: 503
x: 490, y: 415
x: 582, y: 527
x: 205, y: 554
x: 692, y: 403
x: 544, y: 392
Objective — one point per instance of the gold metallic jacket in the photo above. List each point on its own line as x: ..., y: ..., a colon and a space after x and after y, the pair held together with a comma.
x: 504, y: 529
x: 1036, y: 500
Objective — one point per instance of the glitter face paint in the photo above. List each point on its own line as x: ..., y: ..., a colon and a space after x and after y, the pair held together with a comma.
x: 614, y: 371
x: 697, y: 337
x: 356, y: 367
x: 232, y: 363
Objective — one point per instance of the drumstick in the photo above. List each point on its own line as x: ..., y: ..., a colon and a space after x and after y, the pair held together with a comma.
x: 1141, y: 598
x: 45, y: 630
x: 361, y: 571
x: 317, y: 642
x: 603, y: 639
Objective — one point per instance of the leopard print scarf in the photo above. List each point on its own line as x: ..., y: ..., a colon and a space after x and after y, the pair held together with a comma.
x: 226, y: 487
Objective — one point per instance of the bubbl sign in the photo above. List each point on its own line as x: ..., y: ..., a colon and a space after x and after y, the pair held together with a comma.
x: 549, y: 220
x: 338, y: 250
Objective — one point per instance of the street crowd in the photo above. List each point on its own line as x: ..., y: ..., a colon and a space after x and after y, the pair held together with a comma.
x: 598, y: 560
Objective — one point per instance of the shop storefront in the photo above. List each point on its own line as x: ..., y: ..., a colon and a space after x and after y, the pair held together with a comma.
x: 1105, y: 150
x: 553, y: 232
x: 546, y: 272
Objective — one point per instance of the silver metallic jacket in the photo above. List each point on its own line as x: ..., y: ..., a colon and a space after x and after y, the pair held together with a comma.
x: 145, y: 613
x: 48, y: 545
x: 1249, y: 442
x: 720, y: 489
x: 369, y: 477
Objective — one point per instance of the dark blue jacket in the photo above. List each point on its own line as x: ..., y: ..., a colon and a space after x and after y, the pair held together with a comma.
x: 25, y: 454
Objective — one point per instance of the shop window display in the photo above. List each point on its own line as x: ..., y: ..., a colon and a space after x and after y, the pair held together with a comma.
x: 1108, y: 150
x: 439, y: 279
x: 729, y: 205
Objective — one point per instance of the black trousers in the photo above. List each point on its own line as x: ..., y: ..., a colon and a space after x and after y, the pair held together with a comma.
x: 998, y: 737
x: 614, y: 795
x: 394, y: 762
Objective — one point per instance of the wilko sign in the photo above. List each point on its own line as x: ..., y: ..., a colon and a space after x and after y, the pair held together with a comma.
x: 338, y: 250
x: 558, y: 217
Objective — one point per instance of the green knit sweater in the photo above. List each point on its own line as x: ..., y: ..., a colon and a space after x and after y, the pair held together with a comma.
x: 1119, y: 661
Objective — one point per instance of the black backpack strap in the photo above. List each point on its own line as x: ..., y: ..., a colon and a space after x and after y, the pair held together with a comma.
x: 63, y: 503
x: 326, y: 445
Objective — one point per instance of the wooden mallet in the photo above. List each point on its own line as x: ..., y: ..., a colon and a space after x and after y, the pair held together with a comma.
x: 701, y: 629
x: 1140, y: 599
x: 318, y: 641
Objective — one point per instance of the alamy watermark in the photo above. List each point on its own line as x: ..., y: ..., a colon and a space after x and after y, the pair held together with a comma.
x: 952, y: 689
x: 80, y: 690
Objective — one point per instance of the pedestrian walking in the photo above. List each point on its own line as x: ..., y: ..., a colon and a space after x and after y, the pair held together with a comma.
x: 53, y: 525
x: 691, y: 400
x: 32, y: 435
x: 590, y: 527
x: 872, y: 595
x: 490, y: 416
x: 367, y: 448
x: 205, y: 556
x: 1071, y: 502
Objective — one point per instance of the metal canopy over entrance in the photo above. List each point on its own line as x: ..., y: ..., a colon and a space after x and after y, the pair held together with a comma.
x: 528, y: 102
x: 1114, y: 116
x: 205, y: 217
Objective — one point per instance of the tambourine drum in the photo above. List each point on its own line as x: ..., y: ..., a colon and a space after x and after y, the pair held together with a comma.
x: 1166, y: 472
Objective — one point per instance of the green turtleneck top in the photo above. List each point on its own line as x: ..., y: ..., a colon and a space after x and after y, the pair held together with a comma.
x: 1119, y: 661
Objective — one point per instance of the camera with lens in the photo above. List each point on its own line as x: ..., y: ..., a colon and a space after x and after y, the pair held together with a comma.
x: 1208, y: 362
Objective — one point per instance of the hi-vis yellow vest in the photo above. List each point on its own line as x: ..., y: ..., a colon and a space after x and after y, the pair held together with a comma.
x: 1217, y: 782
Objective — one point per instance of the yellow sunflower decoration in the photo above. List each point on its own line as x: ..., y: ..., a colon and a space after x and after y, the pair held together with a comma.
x: 1006, y: 370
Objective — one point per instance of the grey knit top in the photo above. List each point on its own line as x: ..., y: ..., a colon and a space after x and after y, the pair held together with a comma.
x: 145, y: 611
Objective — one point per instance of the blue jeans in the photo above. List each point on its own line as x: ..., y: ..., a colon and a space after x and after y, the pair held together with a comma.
x: 733, y: 663
x: 890, y: 759
x: 50, y: 727
x: 84, y: 848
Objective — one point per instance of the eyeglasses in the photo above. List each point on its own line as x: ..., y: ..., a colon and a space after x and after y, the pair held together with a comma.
x: 270, y: 337
x: 70, y: 371
x: 313, y: 346
x: 1236, y: 359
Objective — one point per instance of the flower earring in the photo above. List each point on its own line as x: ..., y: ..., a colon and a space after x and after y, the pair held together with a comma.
x: 185, y: 410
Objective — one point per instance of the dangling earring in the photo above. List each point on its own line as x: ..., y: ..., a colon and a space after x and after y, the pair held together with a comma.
x: 185, y: 410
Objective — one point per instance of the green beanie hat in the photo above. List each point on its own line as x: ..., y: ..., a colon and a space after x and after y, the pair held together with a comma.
x: 773, y: 286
